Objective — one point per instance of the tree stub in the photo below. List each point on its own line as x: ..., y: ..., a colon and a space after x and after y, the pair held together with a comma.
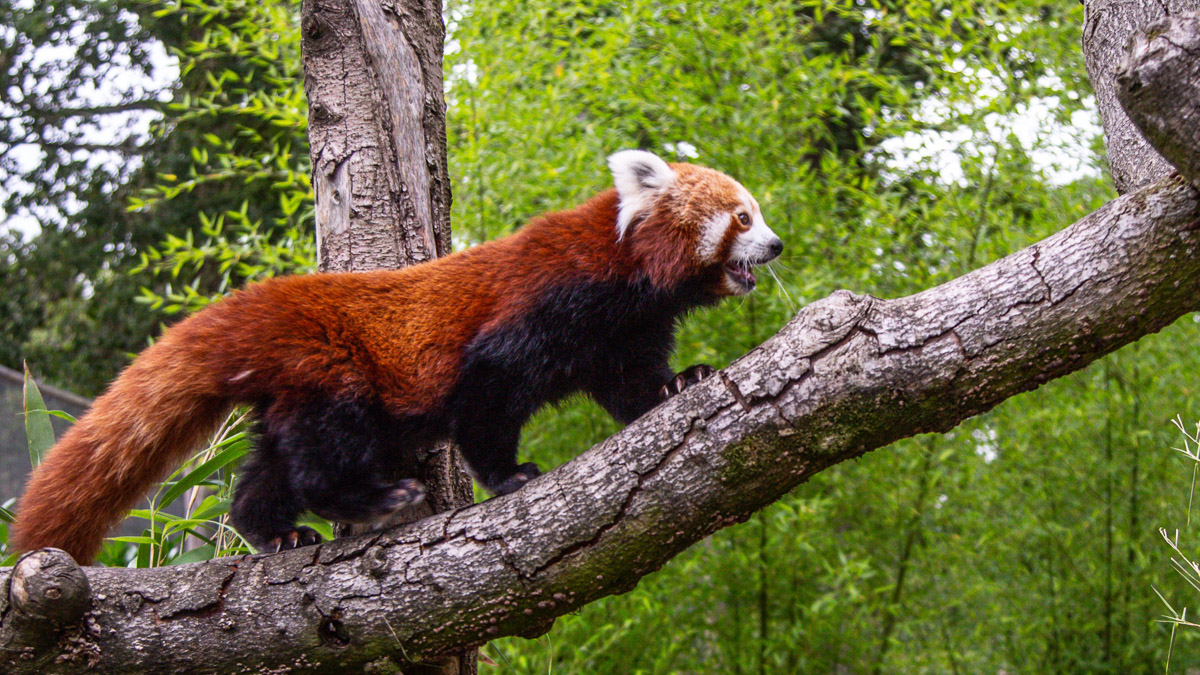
x: 47, y: 586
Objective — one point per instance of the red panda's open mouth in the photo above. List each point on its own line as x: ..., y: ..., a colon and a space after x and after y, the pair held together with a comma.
x: 741, y: 274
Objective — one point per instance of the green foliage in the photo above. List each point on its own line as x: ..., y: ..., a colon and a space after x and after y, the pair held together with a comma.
x: 235, y: 251
x: 890, y: 147
x: 243, y: 72
x: 228, y: 138
x: 204, y: 485
x: 73, y: 72
x: 63, y: 99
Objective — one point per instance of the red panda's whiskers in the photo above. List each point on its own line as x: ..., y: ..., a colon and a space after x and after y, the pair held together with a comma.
x: 779, y: 284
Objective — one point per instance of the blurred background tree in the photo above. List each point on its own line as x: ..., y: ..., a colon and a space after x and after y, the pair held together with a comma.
x: 892, y: 145
x: 123, y: 122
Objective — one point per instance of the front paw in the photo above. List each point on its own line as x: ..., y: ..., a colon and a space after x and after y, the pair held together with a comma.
x: 524, y: 473
x: 685, y: 379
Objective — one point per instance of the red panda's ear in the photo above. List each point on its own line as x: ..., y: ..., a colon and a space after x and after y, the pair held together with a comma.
x: 639, y: 177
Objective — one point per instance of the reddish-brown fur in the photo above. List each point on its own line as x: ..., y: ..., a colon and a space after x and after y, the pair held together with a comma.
x: 396, y: 336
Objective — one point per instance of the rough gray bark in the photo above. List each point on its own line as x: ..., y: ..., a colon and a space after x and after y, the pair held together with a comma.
x: 47, y: 594
x: 848, y: 374
x: 373, y: 76
x: 1158, y: 83
x: 1108, y: 26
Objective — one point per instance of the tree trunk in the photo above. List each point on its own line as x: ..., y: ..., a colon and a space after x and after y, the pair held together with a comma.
x: 1107, y: 28
x: 373, y: 76
x: 848, y: 374
x: 377, y: 131
x: 1158, y: 83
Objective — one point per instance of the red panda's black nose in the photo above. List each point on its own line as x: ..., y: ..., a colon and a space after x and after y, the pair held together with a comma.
x: 775, y: 247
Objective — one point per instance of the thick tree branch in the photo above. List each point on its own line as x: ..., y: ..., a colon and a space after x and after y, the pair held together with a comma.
x: 47, y: 594
x: 848, y: 374
x: 127, y: 147
x: 41, y: 114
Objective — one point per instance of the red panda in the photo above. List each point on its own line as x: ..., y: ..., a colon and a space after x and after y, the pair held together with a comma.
x: 350, y: 372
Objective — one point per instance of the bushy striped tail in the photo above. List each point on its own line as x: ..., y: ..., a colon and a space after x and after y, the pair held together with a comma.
x: 146, y: 424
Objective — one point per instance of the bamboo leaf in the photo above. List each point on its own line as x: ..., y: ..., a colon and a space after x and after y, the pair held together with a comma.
x: 204, y: 471
x: 38, y: 431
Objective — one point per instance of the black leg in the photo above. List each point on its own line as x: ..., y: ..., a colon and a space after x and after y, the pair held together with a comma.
x: 631, y: 387
x: 335, y: 450
x: 323, y: 456
x: 486, y: 410
x: 629, y: 392
x: 265, y: 507
x: 490, y: 451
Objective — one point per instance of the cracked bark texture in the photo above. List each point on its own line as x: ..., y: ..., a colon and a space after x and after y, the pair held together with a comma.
x: 373, y: 76
x: 848, y: 374
x: 1108, y: 26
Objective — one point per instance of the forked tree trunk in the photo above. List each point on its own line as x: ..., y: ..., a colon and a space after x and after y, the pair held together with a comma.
x: 1108, y: 27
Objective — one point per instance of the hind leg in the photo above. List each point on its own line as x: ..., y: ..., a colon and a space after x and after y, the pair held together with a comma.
x: 265, y: 507
x: 335, y: 450
x: 490, y: 450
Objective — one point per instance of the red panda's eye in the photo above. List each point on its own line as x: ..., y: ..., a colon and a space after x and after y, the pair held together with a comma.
x: 744, y: 218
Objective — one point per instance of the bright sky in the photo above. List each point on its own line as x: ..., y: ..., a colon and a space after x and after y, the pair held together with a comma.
x: 1061, y: 151
x: 131, y: 85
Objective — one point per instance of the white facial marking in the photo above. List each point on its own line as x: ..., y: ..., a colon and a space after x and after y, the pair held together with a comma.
x: 753, y: 245
x: 639, y: 177
x: 712, y: 232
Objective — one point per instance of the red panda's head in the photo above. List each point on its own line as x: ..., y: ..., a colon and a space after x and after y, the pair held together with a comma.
x: 684, y: 221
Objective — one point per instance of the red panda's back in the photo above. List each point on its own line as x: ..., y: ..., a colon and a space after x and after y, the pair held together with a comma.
x: 394, y: 335
x: 398, y: 335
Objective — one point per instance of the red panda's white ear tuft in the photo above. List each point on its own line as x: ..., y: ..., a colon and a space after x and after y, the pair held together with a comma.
x: 639, y: 177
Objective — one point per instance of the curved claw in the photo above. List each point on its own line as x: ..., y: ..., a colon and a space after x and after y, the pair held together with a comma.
x: 685, y: 379
x: 301, y: 536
